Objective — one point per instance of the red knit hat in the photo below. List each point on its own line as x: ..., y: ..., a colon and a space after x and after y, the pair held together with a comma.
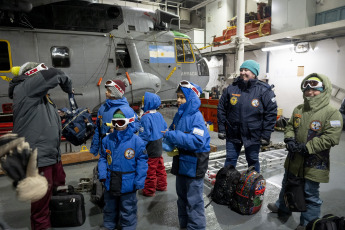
x: 117, y: 88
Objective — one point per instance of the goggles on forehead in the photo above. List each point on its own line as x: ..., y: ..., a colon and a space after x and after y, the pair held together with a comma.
x: 38, y: 68
x: 111, y: 83
x: 121, y: 122
x: 187, y: 84
x: 312, y: 84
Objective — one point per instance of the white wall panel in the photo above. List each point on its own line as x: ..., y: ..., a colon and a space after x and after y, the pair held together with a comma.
x: 217, y: 18
x: 328, y: 58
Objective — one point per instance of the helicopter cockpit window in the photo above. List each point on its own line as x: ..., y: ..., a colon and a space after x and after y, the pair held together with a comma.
x: 201, y: 63
x: 60, y: 56
x: 184, y: 51
x: 5, y: 56
x: 123, y: 59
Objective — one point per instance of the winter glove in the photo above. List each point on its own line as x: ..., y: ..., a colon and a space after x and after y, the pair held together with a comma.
x: 20, y: 163
x: 302, y: 149
x: 14, y: 159
x: 264, y: 142
x: 291, y: 144
x: 173, y: 153
x: 222, y: 136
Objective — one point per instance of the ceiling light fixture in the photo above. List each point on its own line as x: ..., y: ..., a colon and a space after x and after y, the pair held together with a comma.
x: 277, y: 47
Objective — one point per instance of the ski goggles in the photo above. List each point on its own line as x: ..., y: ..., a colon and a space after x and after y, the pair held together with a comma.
x: 187, y: 84
x: 111, y: 83
x: 121, y: 122
x: 312, y: 84
x: 38, y: 68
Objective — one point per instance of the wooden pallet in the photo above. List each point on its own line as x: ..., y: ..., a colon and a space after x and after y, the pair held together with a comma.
x: 74, y: 158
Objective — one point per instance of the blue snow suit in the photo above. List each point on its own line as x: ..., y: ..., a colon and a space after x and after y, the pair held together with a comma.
x: 247, y: 112
x: 123, y: 165
x: 152, y: 123
x: 189, y: 134
x: 104, y: 115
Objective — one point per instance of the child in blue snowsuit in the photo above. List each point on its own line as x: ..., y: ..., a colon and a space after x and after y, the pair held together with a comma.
x: 115, y: 99
x: 152, y: 125
x: 122, y: 167
x: 189, y: 134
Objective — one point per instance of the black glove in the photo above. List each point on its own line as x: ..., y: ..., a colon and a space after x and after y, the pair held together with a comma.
x: 302, y: 149
x: 264, y: 142
x: 15, y: 160
x: 291, y: 144
x: 222, y: 136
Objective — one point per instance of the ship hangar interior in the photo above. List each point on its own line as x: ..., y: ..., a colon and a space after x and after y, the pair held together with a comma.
x: 304, y: 36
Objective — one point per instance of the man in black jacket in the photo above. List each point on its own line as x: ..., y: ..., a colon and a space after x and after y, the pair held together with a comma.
x: 247, y: 113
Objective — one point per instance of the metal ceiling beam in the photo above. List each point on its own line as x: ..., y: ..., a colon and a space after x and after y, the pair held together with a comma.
x: 201, y: 5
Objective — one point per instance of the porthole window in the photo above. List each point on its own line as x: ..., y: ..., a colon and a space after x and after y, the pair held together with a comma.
x: 5, y: 56
x: 60, y: 56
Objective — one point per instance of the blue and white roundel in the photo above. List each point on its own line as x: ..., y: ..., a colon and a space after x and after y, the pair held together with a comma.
x: 255, y: 102
x: 315, y: 125
x: 129, y: 153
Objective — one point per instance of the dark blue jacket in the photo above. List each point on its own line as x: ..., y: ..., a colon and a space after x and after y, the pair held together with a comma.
x: 123, y: 159
x: 104, y: 115
x: 152, y: 125
x: 247, y: 112
x: 189, y: 134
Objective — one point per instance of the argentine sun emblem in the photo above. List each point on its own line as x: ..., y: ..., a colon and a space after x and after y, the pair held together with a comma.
x: 233, y: 100
x: 129, y: 153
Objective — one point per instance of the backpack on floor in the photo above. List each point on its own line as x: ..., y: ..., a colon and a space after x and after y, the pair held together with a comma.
x: 249, y: 193
x: 225, y: 185
x: 327, y: 222
x: 78, y: 126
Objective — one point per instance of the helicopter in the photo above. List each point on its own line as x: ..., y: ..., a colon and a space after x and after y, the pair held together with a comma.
x: 94, y: 42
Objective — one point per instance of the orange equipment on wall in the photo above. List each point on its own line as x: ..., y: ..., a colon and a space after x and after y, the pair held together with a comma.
x: 253, y: 29
x: 208, y: 108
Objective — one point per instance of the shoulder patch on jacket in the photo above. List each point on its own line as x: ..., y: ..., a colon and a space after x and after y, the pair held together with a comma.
x: 199, y: 132
x: 129, y: 153
x: 335, y: 123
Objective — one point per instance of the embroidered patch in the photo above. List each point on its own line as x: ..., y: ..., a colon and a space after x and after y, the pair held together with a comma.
x: 109, y: 159
x: 141, y: 129
x: 315, y: 125
x: 296, y: 120
x: 255, y: 102
x: 335, y: 123
x: 233, y: 100
x: 199, y: 132
x: 129, y: 153
x: 76, y: 129
x: 273, y: 99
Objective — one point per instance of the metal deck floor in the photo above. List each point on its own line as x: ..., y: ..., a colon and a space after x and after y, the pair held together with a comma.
x: 160, y: 212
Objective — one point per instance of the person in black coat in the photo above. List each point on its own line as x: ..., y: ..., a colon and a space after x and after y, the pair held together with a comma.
x: 247, y: 113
